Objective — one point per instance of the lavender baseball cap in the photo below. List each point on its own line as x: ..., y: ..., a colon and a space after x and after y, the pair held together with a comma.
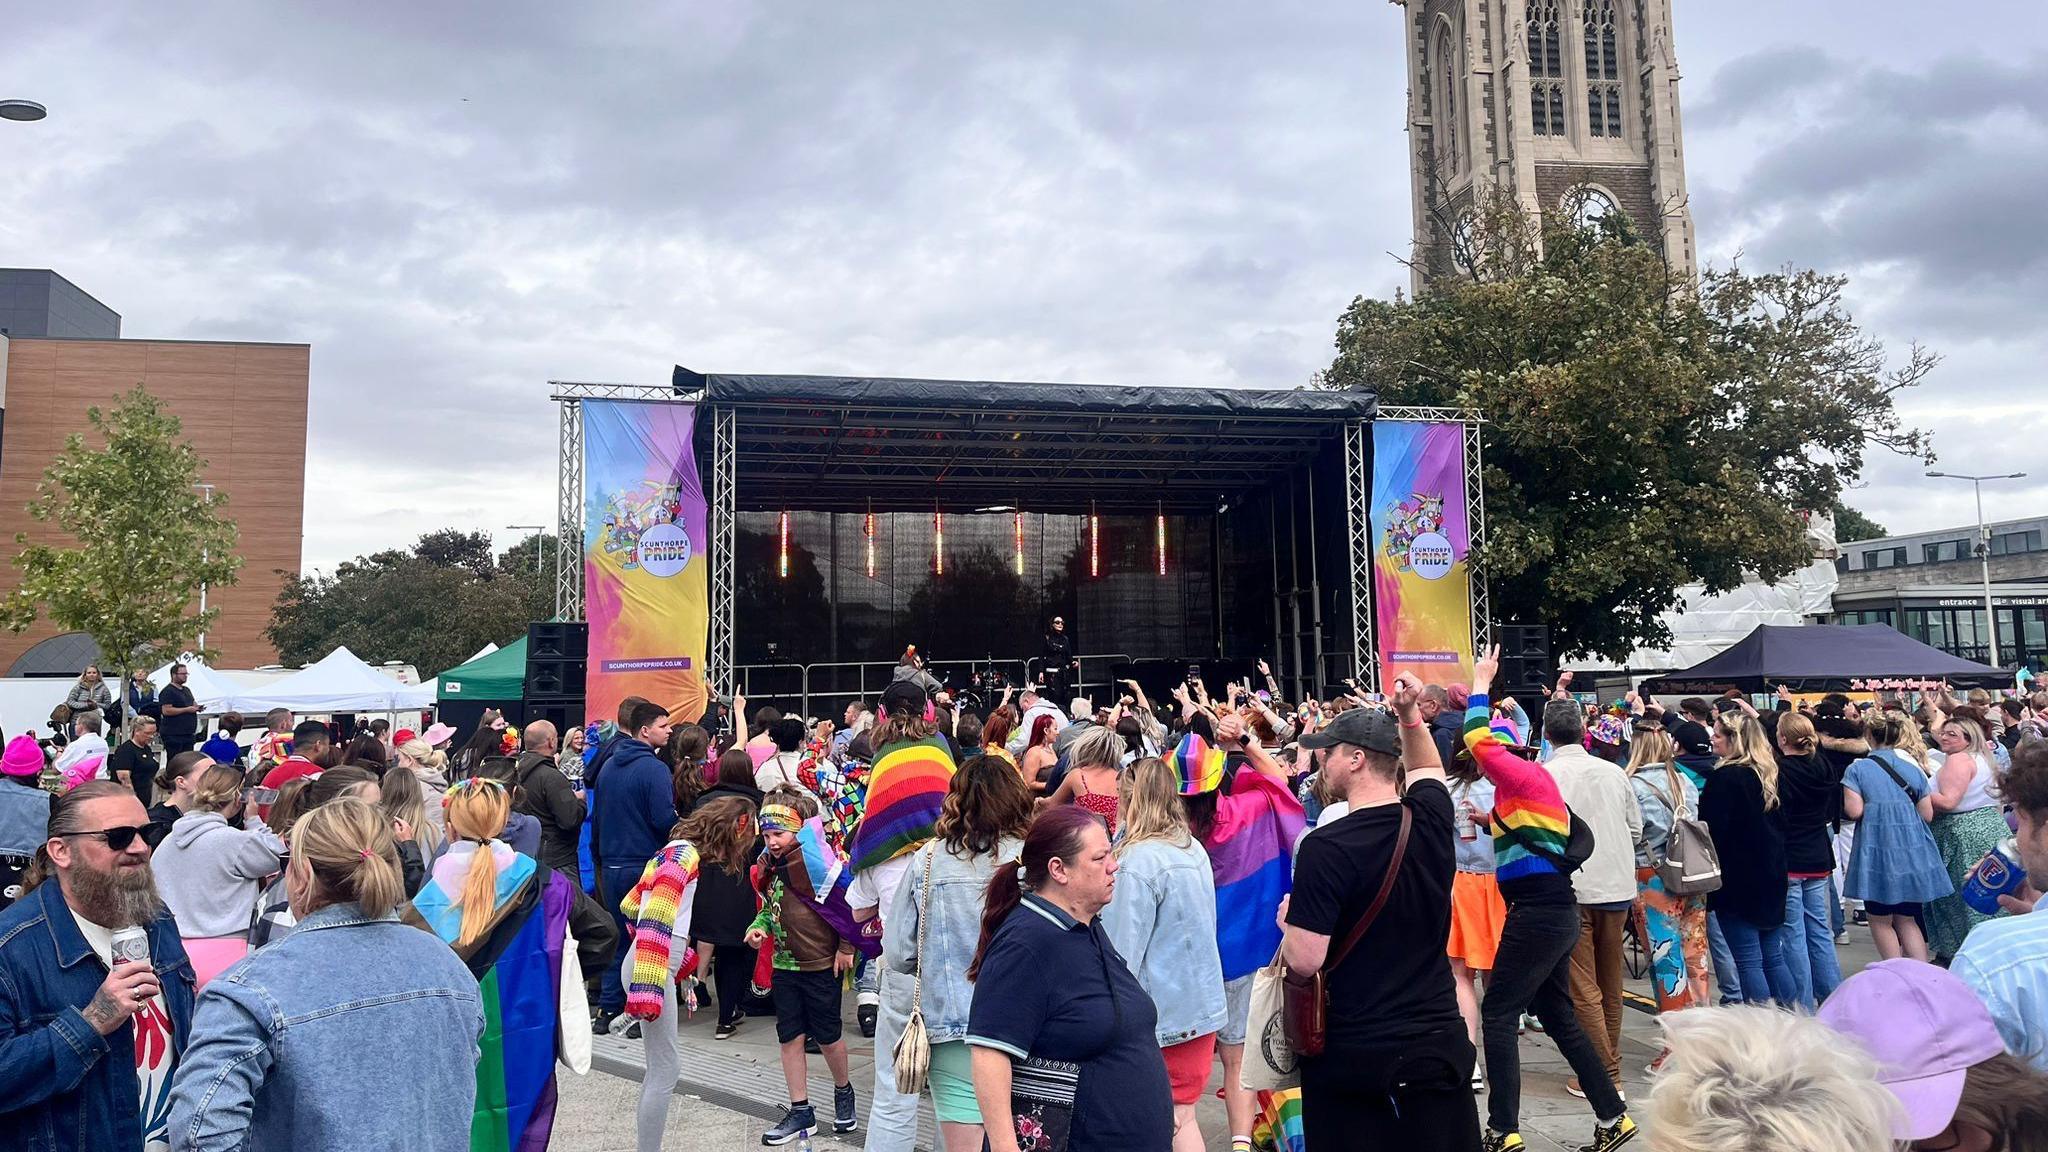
x: 1925, y: 1028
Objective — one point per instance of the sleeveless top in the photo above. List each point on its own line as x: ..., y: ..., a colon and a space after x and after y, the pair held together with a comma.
x: 1978, y: 794
x: 1103, y: 804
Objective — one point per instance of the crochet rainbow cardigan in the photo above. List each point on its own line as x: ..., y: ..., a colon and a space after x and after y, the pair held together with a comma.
x: 655, y: 909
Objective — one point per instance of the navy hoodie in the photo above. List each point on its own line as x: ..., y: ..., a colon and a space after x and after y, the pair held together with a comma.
x: 636, y: 807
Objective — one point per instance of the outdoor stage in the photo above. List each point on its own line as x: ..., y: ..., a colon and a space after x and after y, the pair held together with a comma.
x: 852, y: 516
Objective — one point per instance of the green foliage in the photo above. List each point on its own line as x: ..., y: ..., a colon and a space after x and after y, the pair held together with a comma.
x: 432, y: 606
x: 1853, y: 525
x: 144, y: 537
x: 1643, y: 433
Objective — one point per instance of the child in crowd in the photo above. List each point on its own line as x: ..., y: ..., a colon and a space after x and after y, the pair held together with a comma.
x: 809, y: 956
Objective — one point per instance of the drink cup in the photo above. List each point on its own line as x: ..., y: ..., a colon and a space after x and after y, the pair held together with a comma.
x: 131, y: 944
x: 1999, y: 873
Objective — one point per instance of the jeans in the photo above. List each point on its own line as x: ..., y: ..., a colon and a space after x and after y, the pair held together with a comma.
x: 1809, y: 941
x: 615, y: 881
x: 892, y: 1116
x: 1725, y: 976
x: 1416, y: 1097
x: 1532, y: 972
x: 1760, y: 961
x: 1835, y: 913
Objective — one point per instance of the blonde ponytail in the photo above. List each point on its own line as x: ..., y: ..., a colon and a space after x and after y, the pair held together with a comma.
x: 347, y: 848
x: 476, y: 810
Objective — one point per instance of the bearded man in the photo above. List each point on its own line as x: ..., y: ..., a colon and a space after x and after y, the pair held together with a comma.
x: 88, y: 1043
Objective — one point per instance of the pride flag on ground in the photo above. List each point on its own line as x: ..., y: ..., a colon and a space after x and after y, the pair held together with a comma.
x: 1250, y: 852
x: 906, y: 791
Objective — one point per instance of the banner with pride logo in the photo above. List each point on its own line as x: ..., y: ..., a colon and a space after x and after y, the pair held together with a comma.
x: 1421, y: 583
x: 645, y: 583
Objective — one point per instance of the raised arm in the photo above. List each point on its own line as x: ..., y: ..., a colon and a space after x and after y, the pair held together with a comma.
x: 1495, y: 761
x: 1418, y: 751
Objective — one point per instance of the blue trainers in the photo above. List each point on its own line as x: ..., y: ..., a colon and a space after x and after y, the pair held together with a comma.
x: 843, y: 1118
x: 794, y: 1123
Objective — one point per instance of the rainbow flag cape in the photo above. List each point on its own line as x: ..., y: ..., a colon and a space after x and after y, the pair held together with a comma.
x: 1279, y: 1124
x: 906, y: 790
x: 518, y: 965
x: 819, y: 874
x: 1250, y: 852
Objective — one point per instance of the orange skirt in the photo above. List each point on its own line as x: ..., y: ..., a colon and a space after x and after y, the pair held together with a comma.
x: 1477, y: 912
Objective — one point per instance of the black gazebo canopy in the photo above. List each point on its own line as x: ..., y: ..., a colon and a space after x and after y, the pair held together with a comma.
x: 1824, y: 658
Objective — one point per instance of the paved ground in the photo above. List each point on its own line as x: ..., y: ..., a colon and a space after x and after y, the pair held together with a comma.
x: 732, y: 1090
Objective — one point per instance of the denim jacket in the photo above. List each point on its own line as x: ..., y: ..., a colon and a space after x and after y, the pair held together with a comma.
x: 342, y: 992
x: 1163, y: 920
x: 959, y: 893
x: 68, y: 1088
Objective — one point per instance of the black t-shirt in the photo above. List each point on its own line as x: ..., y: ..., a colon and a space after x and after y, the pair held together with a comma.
x: 183, y: 726
x: 1396, y: 985
x: 1092, y: 1012
x: 140, y: 763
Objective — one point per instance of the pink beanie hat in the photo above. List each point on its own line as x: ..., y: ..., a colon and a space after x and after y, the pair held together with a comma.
x: 86, y: 769
x: 24, y: 757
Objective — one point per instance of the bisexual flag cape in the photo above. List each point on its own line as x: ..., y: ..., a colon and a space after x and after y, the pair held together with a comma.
x: 906, y: 791
x: 818, y: 874
x: 518, y: 966
x: 1250, y: 851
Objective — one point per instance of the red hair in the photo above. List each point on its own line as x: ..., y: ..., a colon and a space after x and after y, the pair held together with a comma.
x: 1039, y: 728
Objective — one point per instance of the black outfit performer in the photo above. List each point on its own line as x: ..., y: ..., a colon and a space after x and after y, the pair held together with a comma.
x: 1057, y: 662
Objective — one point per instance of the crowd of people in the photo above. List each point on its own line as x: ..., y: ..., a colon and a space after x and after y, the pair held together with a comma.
x: 1066, y: 923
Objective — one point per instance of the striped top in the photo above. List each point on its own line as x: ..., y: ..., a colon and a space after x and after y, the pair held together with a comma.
x: 906, y: 791
x: 658, y: 910
x: 1525, y: 799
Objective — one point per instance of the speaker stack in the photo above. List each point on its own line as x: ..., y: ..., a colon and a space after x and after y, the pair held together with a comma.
x: 555, y: 664
x: 1525, y: 664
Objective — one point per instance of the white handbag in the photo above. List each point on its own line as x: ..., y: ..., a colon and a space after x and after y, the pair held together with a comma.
x: 1269, y: 1062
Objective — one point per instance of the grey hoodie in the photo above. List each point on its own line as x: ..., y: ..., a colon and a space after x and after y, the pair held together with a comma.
x: 210, y: 873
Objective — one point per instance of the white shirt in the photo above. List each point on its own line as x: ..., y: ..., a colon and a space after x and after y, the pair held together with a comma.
x: 81, y: 748
x: 1599, y: 792
x: 154, y: 1060
x: 876, y: 887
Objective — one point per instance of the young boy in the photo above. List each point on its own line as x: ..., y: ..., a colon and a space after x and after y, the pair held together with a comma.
x: 810, y: 958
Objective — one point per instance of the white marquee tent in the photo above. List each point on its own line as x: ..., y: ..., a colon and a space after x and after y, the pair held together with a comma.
x: 340, y: 682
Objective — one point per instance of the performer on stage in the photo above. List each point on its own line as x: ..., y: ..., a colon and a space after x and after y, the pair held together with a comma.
x: 1057, y: 663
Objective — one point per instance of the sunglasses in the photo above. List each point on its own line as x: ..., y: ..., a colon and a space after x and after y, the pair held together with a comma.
x: 117, y: 839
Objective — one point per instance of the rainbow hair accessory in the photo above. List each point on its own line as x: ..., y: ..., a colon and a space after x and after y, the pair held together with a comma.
x: 1199, y: 767
x: 780, y: 818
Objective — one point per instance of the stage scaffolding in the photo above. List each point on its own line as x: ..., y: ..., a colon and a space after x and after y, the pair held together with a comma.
x: 862, y: 444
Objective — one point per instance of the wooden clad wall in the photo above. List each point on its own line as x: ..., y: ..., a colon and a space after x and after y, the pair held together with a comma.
x: 243, y: 407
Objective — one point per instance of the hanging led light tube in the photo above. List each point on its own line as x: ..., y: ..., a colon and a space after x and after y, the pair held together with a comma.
x: 868, y: 530
x: 938, y: 543
x: 782, y: 554
x: 1159, y: 537
x: 1017, y: 537
x: 1094, y: 541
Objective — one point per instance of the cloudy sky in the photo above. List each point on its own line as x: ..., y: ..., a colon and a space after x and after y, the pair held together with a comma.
x: 455, y: 203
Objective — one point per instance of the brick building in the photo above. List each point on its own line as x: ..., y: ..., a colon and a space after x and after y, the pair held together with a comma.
x: 243, y: 407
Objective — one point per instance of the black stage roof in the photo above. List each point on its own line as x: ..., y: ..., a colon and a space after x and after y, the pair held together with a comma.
x: 848, y: 443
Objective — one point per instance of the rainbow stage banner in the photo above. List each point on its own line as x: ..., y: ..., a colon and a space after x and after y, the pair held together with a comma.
x: 644, y: 567
x: 1421, y: 584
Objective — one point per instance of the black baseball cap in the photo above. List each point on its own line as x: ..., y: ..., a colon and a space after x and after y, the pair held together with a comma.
x: 1369, y: 728
x: 905, y: 695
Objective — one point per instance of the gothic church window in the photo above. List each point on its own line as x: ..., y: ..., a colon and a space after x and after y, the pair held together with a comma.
x: 1546, y: 68
x: 1603, y: 69
x: 1447, y: 101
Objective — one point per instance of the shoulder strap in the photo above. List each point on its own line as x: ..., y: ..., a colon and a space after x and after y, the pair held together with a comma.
x: 1676, y: 800
x: 1379, y: 900
x: 1556, y: 861
x: 1896, y: 778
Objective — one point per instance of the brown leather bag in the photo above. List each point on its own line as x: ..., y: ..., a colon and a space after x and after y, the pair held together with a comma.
x: 1308, y: 997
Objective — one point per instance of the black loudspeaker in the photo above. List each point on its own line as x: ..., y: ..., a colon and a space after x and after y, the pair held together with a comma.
x: 1525, y: 664
x: 564, y: 714
x: 554, y: 678
x: 557, y: 640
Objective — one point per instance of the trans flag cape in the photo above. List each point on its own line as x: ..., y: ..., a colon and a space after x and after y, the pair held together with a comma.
x: 518, y: 966
x: 1257, y: 822
x: 819, y: 874
x: 906, y: 790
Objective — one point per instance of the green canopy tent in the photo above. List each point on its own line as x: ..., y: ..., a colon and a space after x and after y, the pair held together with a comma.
x: 492, y: 678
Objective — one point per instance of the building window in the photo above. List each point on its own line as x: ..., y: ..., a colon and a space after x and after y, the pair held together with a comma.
x: 1866, y: 616
x: 2012, y: 543
x: 1447, y: 70
x: 1603, y: 69
x: 1884, y: 558
x: 1945, y: 551
x: 1546, y: 68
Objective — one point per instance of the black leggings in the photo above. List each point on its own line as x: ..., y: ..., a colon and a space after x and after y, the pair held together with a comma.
x: 732, y: 970
x: 1532, y: 972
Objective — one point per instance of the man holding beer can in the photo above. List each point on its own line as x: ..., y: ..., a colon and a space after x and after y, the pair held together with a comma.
x: 95, y: 988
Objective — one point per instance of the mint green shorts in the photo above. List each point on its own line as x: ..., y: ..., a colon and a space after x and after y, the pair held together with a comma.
x: 952, y: 1083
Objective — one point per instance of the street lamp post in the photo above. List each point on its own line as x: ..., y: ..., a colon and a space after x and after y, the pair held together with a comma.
x: 1983, y: 550
x: 536, y: 543
x: 206, y: 492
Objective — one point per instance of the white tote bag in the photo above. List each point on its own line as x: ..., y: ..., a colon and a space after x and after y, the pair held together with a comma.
x: 1269, y: 1062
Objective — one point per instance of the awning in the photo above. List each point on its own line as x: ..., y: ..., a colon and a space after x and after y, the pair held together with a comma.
x: 494, y: 676
x: 1825, y: 658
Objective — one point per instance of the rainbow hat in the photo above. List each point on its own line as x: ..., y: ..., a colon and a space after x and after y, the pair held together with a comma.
x: 1199, y: 767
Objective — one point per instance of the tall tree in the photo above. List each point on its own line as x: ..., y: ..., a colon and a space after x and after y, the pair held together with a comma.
x: 431, y: 606
x: 144, y: 537
x: 1643, y: 432
x: 1853, y: 525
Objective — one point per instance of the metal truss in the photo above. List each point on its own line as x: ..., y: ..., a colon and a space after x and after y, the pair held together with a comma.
x: 569, y: 511
x: 565, y: 390
x: 724, y: 540
x: 1358, y: 534
x: 1475, y: 559
x: 1432, y: 415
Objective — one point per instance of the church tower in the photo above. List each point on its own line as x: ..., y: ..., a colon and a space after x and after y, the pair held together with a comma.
x: 1564, y: 104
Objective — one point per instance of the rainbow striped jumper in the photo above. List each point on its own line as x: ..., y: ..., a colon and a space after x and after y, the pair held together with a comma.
x: 1526, y: 799
x: 658, y: 908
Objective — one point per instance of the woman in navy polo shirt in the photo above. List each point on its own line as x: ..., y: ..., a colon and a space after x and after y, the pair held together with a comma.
x: 1048, y: 984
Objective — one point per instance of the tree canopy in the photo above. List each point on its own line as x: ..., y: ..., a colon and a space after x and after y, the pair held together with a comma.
x: 1643, y: 432
x: 145, y: 535
x: 431, y: 606
x: 1853, y: 525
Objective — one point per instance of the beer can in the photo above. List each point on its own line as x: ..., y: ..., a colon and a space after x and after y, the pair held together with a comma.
x: 131, y: 944
x: 1999, y: 873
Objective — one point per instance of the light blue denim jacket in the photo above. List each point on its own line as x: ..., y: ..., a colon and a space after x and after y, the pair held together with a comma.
x: 275, y: 1037
x: 959, y: 893
x: 1163, y: 920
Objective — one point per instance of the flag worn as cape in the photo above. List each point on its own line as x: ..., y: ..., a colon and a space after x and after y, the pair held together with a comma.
x: 1250, y: 852
x: 821, y: 876
x: 906, y: 791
